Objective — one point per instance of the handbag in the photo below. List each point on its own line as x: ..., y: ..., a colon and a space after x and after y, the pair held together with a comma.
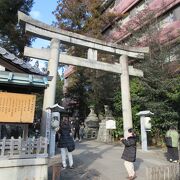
x: 71, y: 147
x: 168, y: 141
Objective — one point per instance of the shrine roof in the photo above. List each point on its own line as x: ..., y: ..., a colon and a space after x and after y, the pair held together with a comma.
x: 15, y: 64
x: 20, y: 76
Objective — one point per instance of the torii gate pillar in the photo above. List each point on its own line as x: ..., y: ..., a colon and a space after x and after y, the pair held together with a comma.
x: 125, y: 95
x: 49, y: 94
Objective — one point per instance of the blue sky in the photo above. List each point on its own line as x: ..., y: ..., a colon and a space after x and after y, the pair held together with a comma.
x: 42, y: 11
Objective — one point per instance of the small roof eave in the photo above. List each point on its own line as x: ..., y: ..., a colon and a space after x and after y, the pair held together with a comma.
x: 22, y: 79
x: 15, y: 64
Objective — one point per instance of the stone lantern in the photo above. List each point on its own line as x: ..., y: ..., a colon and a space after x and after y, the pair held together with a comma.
x: 54, y: 112
x: 145, y: 122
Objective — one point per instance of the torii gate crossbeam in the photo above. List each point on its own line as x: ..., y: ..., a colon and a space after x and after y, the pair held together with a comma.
x: 47, y: 32
x: 58, y: 36
x: 78, y: 61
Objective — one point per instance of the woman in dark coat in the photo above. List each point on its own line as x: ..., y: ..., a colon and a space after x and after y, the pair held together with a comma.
x: 66, y: 142
x: 129, y: 153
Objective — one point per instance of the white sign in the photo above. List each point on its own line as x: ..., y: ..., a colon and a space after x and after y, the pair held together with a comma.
x: 147, y: 123
x: 55, y: 120
x: 110, y: 124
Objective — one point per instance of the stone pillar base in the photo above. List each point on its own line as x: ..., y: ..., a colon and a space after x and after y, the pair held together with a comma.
x: 24, y: 169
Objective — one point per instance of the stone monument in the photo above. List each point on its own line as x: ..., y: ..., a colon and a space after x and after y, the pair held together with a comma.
x: 91, y: 124
x: 105, y: 135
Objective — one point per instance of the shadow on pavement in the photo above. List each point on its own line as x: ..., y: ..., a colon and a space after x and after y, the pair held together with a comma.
x: 137, y: 164
x: 81, y: 170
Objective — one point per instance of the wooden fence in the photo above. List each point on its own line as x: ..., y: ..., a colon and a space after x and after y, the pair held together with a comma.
x: 166, y: 172
x: 20, y: 148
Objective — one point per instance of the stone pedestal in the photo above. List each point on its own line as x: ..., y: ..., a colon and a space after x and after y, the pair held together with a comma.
x: 91, y: 125
x: 105, y: 135
x: 16, y: 169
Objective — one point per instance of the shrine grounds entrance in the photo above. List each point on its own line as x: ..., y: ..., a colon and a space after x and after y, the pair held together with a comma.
x: 53, y: 55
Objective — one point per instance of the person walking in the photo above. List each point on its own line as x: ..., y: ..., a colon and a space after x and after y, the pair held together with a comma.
x: 76, y: 129
x: 66, y: 142
x: 81, y: 131
x: 172, y: 142
x: 129, y: 153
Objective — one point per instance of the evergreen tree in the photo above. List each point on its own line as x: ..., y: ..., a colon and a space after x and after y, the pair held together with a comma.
x: 12, y: 35
x: 59, y: 90
x: 158, y: 90
x: 70, y: 15
x: 84, y: 17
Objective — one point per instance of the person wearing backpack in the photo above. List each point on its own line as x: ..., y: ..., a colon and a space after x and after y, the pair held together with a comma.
x: 172, y: 142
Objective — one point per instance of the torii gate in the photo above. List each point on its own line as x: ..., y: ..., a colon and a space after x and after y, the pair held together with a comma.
x: 56, y: 36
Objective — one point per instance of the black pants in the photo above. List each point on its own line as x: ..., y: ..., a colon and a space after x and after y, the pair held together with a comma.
x: 76, y: 133
x: 172, y: 153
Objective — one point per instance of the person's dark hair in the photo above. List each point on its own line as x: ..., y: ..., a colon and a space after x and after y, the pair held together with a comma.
x: 64, y: 121
x: 131, y: 130
x: 172, y: 128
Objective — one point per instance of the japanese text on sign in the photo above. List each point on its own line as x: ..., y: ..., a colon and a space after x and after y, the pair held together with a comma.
x: 17, y: 108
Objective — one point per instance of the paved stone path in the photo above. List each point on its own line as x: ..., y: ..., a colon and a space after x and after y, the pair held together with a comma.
x: 99, y: 161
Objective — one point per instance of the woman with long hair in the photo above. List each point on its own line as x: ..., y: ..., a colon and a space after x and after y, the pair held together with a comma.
x: 66, y: 142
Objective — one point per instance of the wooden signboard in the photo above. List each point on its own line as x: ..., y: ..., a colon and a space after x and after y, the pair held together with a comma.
x: 17, y: 108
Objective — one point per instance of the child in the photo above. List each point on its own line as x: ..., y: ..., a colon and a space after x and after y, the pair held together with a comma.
x: 129, y: 153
